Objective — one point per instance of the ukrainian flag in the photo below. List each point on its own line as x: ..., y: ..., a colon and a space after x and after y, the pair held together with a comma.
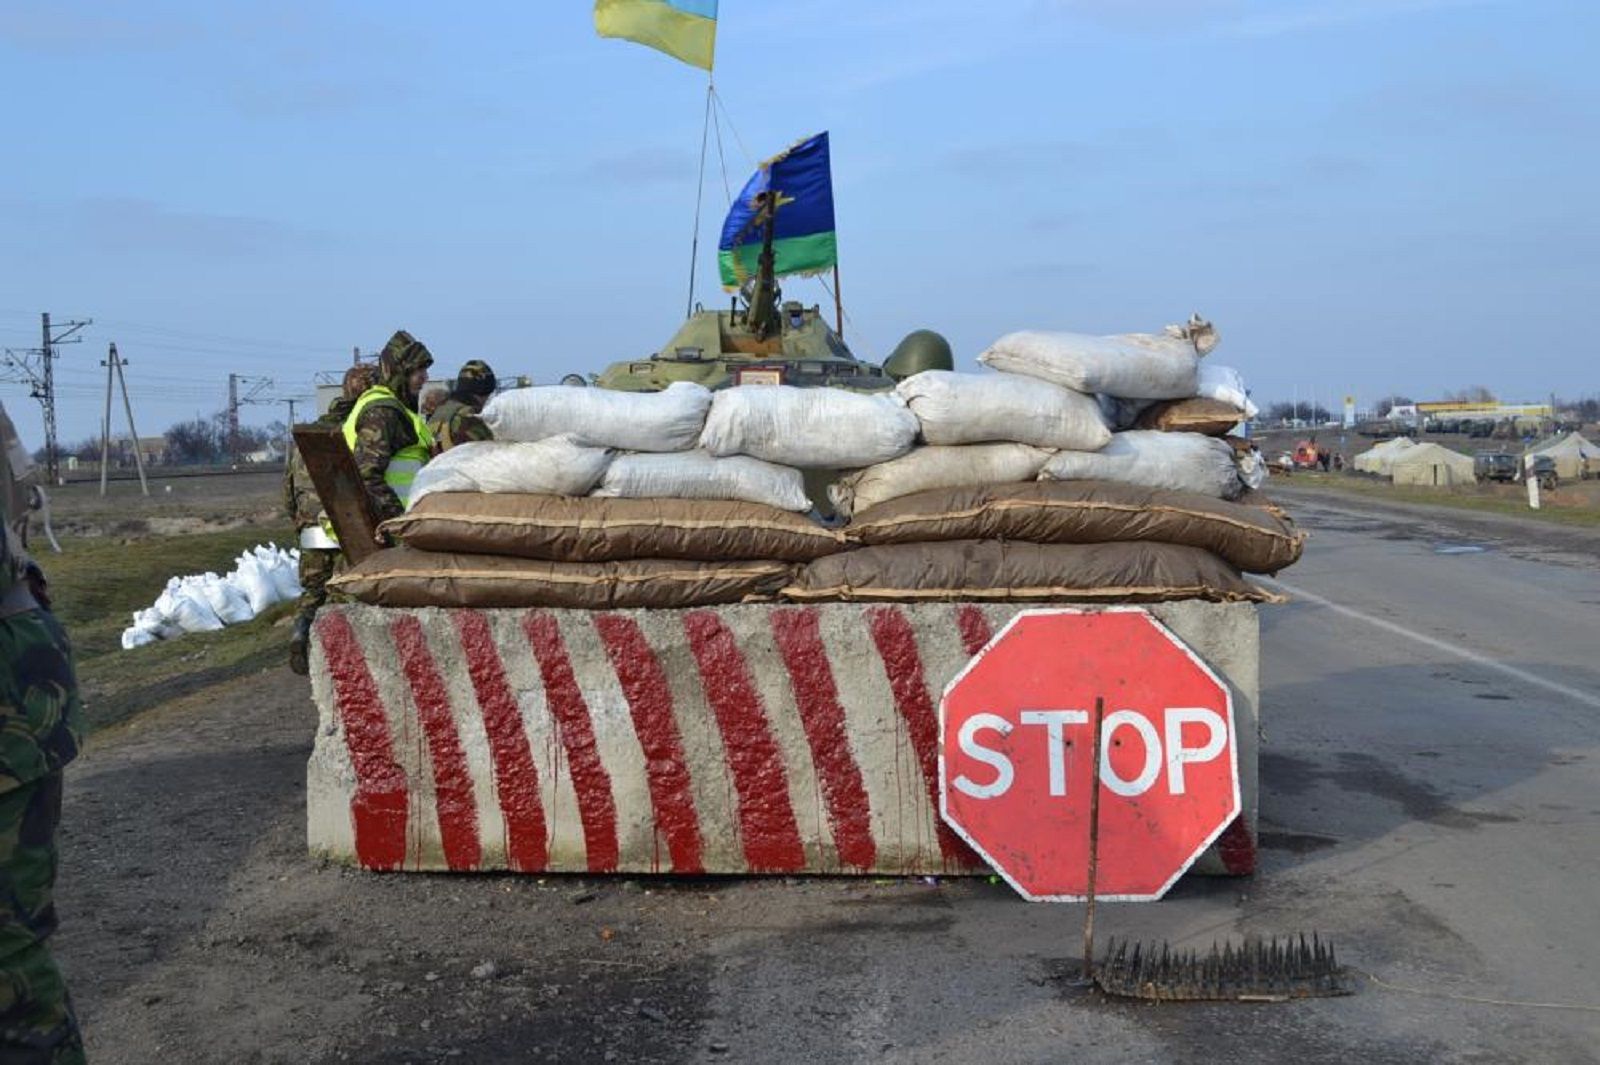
x: 684, y: 29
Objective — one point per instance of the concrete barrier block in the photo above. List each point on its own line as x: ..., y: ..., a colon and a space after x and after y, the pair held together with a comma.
x: 742, y: 739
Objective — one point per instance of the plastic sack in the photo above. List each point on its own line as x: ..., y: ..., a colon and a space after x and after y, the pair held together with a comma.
x: 184, y: 606
x: 1184, y: 462
x: 559, y: 466
x: 1252, y: 469
x: 1128, y: 366
x: 283, y: 569
x: 225, y: 599
x: 134, y: 636
x: 928, y: 468
x: 1226, y: 384
x: 976, y: 408
x: 596, y: 417
x: 252, y: 579
x: 808, y: 428
x: 697, y: 475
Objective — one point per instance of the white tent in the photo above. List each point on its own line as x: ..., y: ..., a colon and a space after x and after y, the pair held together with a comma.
x: 1574, y: 456
x: 1380, y: 459
x: 1433, y: 466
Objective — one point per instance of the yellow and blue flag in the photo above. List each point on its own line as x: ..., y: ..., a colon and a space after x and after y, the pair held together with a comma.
x: 684, y: 29
x: 803, y: 237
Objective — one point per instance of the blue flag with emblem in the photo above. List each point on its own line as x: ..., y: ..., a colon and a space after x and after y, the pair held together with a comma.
x: 804, y: 241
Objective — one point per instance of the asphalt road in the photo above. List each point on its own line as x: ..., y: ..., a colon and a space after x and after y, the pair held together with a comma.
x: 1431, y: 706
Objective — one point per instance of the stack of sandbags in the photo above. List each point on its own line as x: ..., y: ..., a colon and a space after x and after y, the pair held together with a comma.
x: 603, y: 500
x: 1070, y: 541
x: 1025, y: 492
x: 262, y: 577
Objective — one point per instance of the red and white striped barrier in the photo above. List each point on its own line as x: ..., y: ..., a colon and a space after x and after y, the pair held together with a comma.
x: 743, y: 739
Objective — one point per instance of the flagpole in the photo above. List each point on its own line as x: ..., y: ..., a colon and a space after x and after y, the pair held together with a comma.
x: 838, y: 301
x: 699, y: 192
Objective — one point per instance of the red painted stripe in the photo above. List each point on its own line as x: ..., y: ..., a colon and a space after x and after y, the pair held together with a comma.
x: 766, y: 820
x: 1237, y: 848
x: 379, y: 806
x: 516, y: 778
x: 897, y: 646
x: 452, y: 780
x: 799, y: 639
x: 644, y: 685
x: 596, y: 808
x: 975, y: 631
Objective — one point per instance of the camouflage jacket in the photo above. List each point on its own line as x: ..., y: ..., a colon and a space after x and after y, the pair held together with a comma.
x: 299, y: 494
x: 41, y: 716
x: 383, y: 429
x: 456, y: 422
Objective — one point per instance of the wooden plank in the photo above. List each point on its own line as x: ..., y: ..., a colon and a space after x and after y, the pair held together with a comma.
x: 339, y: 487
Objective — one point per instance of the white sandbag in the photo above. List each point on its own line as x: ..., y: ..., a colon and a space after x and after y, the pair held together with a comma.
x: 976, y: 408
x: 1128, y: 366
x: 1185, y: 462
x: 252, y: 579
x: 808, y: 428
x: 1224, y: 383
x: 1252, y: 468
x: 558, y: 466
x: 596, y: 417
x: 136, y: 637
x: 697, y: 475
x: 225, y: 599
x: 185, y: 607
x: 928, y: 468
x: 283, y: 569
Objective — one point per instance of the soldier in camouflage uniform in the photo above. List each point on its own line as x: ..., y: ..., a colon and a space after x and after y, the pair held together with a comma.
x: 319, y: 552
x: 40, y: 730
x: 390, y: 440
x: 456, y: 421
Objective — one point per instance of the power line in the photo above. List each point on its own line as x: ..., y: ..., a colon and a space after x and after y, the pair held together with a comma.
x: 37, y: 368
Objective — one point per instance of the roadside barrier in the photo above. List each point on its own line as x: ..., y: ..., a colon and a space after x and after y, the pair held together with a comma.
x: 730, y: 740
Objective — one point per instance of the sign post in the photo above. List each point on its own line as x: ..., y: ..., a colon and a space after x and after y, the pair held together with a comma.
x: 1066, y: 810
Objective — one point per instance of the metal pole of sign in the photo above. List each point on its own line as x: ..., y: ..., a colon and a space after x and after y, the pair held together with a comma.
x: 1094, y: 838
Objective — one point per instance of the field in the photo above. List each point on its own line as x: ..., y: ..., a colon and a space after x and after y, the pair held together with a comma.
x: 118, y: 553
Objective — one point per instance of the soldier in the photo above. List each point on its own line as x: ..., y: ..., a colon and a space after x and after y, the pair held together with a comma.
x: 40, y: 730
x: 456, y: 421
x: 390, y: 440
x: 319, y: 550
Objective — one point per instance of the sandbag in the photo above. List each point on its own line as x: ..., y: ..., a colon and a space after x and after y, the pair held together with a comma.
x: 1208, y: 417
x: 1225, y: 385
x: 184, y: 606
x: 936, y: 467
x: 972, y: 408
x: 1000, y: 571
x: 808, y: 428
x: 1122, y: 414
x: 1256, y: 539
x: 255, y: 582
x: 670, y: 420
x: 558, y: 466
x: 226, y: 599
x: 404, y: 577
x: 562, y: 529
x: 1183, y: 462
x: 1128, y: 366
x: 697, y: 475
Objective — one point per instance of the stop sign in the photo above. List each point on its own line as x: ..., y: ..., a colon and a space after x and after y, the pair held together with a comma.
x: 1015, y: 743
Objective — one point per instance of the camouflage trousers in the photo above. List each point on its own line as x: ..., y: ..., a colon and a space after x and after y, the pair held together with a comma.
x: 37, y: 1024
x: 317, y: 568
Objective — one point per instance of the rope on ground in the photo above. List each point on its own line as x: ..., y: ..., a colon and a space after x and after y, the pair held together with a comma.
x: 1479, y: 999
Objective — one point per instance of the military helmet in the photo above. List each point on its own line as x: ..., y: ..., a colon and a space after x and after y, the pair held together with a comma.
x: 919, y: 351
x: 476, y: 379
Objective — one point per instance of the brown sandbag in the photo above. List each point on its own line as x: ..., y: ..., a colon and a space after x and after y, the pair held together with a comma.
x: 993, y: 570
x: 578, y: 529
x: 404, y: 577
x: 1209, y: 417
x: 1254, y: 538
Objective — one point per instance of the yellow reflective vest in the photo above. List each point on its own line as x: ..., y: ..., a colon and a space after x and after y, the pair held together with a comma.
x: 405, y: 463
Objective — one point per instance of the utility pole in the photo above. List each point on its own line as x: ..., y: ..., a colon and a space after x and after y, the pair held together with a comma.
x: 114, y: 365
x: 357, y: 352
x: 257, y: 387
x: 36, y: 367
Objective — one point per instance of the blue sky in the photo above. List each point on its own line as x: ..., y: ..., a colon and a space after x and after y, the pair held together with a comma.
x: 1364, y: 195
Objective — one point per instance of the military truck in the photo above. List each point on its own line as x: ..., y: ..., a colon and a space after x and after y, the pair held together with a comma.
x: 1494, y: 466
